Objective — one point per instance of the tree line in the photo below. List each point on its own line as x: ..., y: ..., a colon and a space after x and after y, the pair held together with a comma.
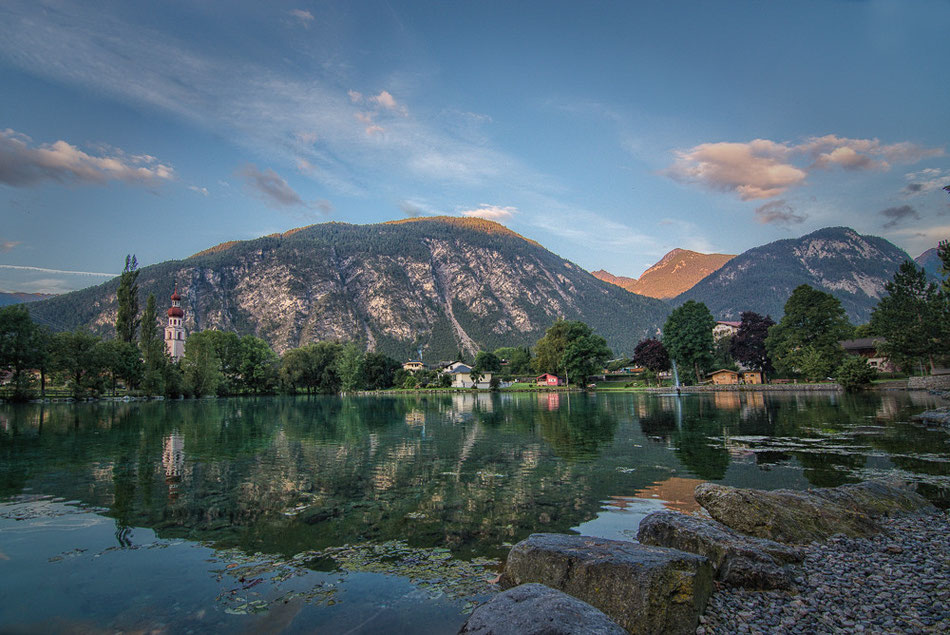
x: 910, y: 326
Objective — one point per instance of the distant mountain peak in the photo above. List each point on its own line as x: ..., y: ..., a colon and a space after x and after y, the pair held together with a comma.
x: 837, y: 260
x: 675, y: 273
x: 466, y: 222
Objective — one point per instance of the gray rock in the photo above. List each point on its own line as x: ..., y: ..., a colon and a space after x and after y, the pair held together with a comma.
x: 752, y: 563
x: 644, y: 589
x: 535, y: 609
x: 815, y: 514
x: 940, y: 415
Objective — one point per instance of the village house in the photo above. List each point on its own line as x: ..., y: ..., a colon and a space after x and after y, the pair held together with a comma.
x: 413, y: 365
x: 462, y: 378
x: 547, y: 379
x: 724, y: 376
x: 866, y: 347
x: 725, y: 329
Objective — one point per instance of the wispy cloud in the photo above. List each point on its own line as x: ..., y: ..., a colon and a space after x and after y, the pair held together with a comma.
x: 762, y: 168
x: 924, y: 181
x: 198, y: 190
x: 262, y: 108
x: 270, y: 186
x: 779, y: 213
x: 302, y: 16
x: 7, y: 245
x: 490, y: 212
x: 24, y: 164
x: 896, y: 215
x: 59, y: 271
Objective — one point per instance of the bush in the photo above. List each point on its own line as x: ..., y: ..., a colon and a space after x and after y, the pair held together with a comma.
x: 854, y: 374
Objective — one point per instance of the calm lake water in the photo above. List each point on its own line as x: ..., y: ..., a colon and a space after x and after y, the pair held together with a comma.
x: 382, y: 514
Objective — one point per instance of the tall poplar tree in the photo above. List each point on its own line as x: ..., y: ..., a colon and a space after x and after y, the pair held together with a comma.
x: 127, y: 321
x: 688, y: 338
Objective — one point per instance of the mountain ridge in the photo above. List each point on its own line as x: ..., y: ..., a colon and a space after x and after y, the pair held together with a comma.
x: 442, y: 285
x: 676, y: 272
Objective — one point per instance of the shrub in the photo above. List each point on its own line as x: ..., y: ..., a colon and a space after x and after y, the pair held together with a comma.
x: 854, y: 374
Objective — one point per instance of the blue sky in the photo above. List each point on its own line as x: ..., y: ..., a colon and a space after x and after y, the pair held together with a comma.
x: 609, y: 132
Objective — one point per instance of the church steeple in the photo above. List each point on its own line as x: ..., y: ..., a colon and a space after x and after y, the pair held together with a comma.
x: 174, y: 331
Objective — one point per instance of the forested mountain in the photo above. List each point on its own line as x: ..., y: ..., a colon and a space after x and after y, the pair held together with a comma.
x: 18, y: 297
x: 838, y: 260
x: 440, y: 284
x: 676, y: 272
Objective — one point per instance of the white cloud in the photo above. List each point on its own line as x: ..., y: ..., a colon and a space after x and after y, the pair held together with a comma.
x: 490, y: 212
x: 304, y: 17
x: 23, y: 164
x: 59, y: 271
x: 7, y: 245
x: 200, y: 190
x: 762, y: 168
x: 924, y: 181
x: 387, y: 101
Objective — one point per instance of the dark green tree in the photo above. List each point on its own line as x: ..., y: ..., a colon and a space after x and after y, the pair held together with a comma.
x: 570, y: 348
x: 201, y: 367
x: 77, y: 356
x: 122, y: 361
x: 486, y: 362
x: 687, y: 336
x: 806, y: 340
x: 519, y: 359
x: 350, y: 367
x: 21, y: 348
x: 748, y: 344
x: 378, y: 370
x: 855, y: 374
x: 911, y: 318
x: 259, y: 366
x: 127, y: 320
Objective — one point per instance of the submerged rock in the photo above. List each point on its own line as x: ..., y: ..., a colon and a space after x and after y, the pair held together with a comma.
x: 644, y: 589
x: 803, y: 516
x: 535, y: 609
x: 743, y: 561
x: 940, y: 415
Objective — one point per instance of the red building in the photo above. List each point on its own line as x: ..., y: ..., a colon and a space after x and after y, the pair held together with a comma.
x: 547, y: 379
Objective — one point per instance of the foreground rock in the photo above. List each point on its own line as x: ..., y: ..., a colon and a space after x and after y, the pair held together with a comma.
x: 644, y: 589
x: 752, y: 563
x: 895, y: 582
x: 534, y: 609
x: 804, y: 516
x: 940, y: 416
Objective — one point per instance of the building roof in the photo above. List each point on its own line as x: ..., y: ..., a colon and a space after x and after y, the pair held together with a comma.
x: 861, y: 343
x: 176, y: 311
x: 734, y: 325
x: 460, y: 369
x: 722, y: 370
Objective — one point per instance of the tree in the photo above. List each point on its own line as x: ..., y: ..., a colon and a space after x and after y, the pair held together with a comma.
x: 378, y: 370
x: 486, y: 362
x: 571, y: 348
x: 77, y: 356
x: 200, y: 365
x: 21, y: 348
x: 126, y: 321
x: 651, y: 354
x: 152, y: 346
x: 911, y: 318
x: 258, y: 367
x: 349, y: 367
x: 855, y: 374
x: 122, y: 361
x: 519, y: 359
x: 748, y: 344
x: 806, y: 339
x: 687, y: 336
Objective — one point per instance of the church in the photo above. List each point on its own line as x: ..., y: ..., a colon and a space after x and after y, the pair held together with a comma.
x: 174, y: 331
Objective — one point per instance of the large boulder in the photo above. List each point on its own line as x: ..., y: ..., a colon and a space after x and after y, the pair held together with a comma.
x: 743, y: 561
x: 644, y: 589
x: 535, y: 609
x: 804, y: 516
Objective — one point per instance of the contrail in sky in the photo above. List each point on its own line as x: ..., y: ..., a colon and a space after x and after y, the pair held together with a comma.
x: 78, y: 273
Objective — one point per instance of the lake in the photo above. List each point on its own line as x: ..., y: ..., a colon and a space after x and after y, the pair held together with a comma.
x: 379, y: 513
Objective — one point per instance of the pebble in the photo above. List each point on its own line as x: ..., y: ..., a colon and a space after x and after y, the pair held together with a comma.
x: 896, y: 582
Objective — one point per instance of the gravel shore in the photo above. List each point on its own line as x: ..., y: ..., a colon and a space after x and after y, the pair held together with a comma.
x: 896, y: 582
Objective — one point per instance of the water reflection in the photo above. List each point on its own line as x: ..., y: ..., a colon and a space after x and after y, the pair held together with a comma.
x: 471, y: 472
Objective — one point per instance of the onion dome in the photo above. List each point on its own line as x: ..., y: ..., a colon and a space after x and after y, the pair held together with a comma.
x: 175, y: 296
x: 176, y: 311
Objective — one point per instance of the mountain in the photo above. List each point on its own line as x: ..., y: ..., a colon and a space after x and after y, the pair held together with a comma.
x: 837, y: 260
x: 675, y: 273
x: 930, y: 262
x: 19, y: 297
x: 440, y: 284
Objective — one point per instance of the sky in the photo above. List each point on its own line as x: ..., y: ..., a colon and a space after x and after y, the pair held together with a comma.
x: 610, y: 132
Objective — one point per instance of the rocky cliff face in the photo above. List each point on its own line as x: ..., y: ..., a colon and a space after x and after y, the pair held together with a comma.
x: 837, y: 260
x: 440, y: 284
x: 930, y: 262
